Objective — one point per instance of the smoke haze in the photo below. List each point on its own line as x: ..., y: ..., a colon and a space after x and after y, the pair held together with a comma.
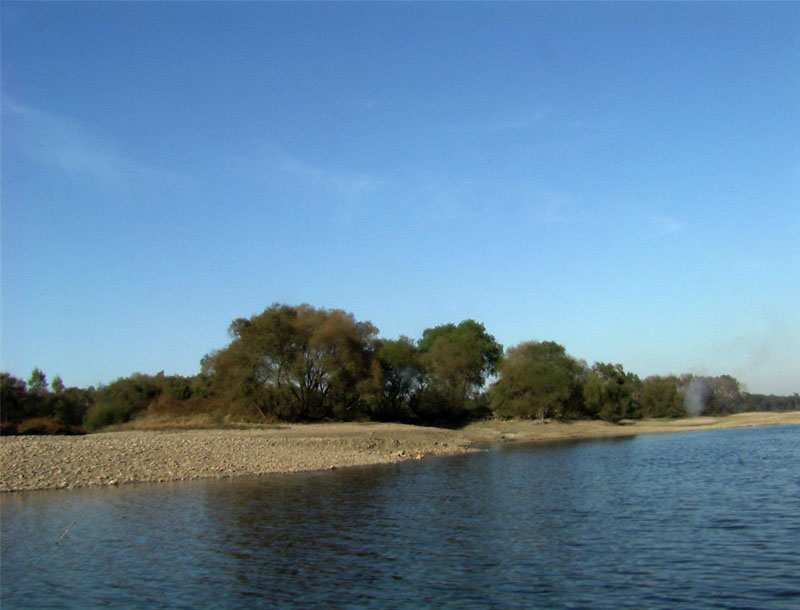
x: 696, y: 397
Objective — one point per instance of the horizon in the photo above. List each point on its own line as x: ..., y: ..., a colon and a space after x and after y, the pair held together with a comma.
x: 623, y: 179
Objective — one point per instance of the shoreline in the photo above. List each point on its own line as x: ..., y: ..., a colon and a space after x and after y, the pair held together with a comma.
x: 132, y: 456
x: 530, y: 431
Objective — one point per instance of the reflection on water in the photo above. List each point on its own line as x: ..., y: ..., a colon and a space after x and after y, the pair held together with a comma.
x: 707, y: 519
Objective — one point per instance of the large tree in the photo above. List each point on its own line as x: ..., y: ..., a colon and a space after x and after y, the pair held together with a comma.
x: 538, y: 379
x: 297, y: 362
x: 457, y: 361
x: 662, y: 396
x: 722, y: 395
x: 400, y: 378
x: 610, y: 393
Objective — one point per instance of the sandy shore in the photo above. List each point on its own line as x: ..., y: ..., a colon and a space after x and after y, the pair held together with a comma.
x: 534, y: 431
x: 48, y: 462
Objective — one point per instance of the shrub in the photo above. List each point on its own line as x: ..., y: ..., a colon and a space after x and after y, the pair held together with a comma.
x: 47, y: 425
x: 117, y: 402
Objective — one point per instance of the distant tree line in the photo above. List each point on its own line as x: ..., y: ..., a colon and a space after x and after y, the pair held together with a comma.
x: 36, y: 408
x: 301, y: 363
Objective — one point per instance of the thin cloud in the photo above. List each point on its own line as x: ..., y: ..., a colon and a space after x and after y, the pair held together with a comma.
x: 520, y: 123
x: 340, y: 181
x: 65, y: 144
x: 659, y: 225
x: 553, y: 208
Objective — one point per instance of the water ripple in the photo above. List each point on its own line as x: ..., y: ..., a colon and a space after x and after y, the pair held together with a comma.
x: 707, y: 519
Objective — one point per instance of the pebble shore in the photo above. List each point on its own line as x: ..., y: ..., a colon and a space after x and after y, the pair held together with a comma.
x: 114, y: 458
x: 52, y: 462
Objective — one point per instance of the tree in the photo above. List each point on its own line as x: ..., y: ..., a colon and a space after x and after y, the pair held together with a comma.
x: 662, y: 397
x: 538, y: 379
x: 610, y: 393
x: 57, y: 385
x: 70, y: 405
x: 37, y: 382
x: 13, y: 398
x: 457, y: 360
x: 401, y: 380
x: 726, y: 395
x: 297, y: 363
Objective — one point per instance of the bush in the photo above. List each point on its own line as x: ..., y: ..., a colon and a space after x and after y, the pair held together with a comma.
x: 117, y: 402
x: 7, y: 428
x: 47, y: 425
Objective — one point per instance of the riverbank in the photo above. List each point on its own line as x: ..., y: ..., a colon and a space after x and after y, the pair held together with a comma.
x: 112, y: 458
x: 493, y: 431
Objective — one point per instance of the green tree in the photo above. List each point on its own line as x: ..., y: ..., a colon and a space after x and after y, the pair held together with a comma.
x: 35, y: 401
x: 70, y: 405
x: 297, y: 363
x: 538, y: 379
x: 401, y: 379
x: 662, y: 397
x: 37, y: 382
x: 726, y: 395
x: 610, y: 393
x: 13, y: 398
x: 57, y: 385
x: 176, y: 386
x: 457, y: 361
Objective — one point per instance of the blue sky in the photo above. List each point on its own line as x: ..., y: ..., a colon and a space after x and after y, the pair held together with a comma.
x: 621, y: 178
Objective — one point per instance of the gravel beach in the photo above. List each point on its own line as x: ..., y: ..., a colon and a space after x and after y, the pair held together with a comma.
x: 113, y: 458
x: 49, y: 462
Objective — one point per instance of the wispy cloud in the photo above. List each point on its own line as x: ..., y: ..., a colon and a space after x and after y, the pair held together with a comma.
x: 340, y: 181
x: 550, y: 207
x: 520, y: 123
x: 346, y: 195
x: 65, y: 144
x: 658, y: 225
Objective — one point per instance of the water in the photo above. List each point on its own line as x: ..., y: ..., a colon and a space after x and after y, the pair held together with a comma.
x: 702, y: 519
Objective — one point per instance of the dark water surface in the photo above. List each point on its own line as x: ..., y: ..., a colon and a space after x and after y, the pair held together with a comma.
x: 692, y: 520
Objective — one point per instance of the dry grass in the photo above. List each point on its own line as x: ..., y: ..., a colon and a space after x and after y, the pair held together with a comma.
x: 174, y: 421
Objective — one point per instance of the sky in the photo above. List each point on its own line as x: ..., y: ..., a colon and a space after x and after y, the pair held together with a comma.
x: 622, y: 178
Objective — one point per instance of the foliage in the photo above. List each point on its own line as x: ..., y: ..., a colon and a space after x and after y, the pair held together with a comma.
x: 39, y: 411
x: 70, y: 405
x: 769, y: 402
x: 46, y: 425
x: 456, y: 361
x: 662, y: 397
x: 37, y: 383
x: 123, y: 398
x: 119, y: 400
x: 713, y: 395
x: 401, y: 379
x: 610, y: 393
x: 57, y: 385
x: 538, y: 379
x: 297, y: 363
x: 301, y: 363
x: 13, y: 398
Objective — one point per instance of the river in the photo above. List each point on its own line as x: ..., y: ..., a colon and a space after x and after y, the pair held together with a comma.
x: 702, y: 519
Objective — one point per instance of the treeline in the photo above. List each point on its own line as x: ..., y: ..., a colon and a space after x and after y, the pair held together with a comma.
x: 37, y: 407
x: 301, y: 363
